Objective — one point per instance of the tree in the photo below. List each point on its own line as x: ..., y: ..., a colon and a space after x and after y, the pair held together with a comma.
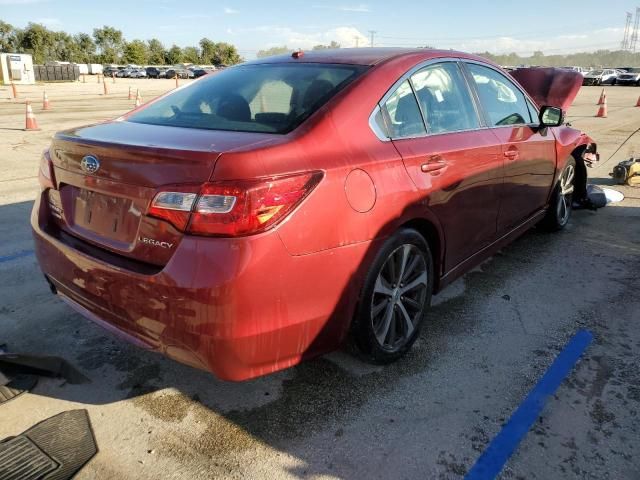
x: 85, y: 48
x: 136, y: 52
x: 226, y: 54
x: 38, y: 41
x: 273, y: 51
x: 174, y: 55
x: 156, y: 52
x: 190, y: 55
x: 8, y: 39
x: 207, y: 51
x: 110, y: 42
x: 333, y: 44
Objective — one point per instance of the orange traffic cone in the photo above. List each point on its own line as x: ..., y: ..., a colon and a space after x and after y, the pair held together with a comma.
x: 603, y: 98
x: 104, y: 87
x: 602, y: 111
x: 45, y: 102
x: 138, y: 99
x: 13, y: 90
x: 130, y: 97
x: 176, y: 80
x: 30, y: 121
x: 638, y: 102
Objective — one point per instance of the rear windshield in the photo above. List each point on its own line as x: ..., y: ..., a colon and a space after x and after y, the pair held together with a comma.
x: 270, y: 98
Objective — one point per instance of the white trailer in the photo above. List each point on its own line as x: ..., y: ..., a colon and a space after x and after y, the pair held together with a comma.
x: 83, y: 68
x: 95, y: 69
x: 16, y: 68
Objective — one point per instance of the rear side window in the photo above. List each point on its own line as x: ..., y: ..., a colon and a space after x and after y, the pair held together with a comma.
x: 403, y: 114
x: 444, y: 98
x: 503, y: 102
x: 270, y: 98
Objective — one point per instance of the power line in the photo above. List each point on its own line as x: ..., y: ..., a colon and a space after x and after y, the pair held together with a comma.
x: 516, y: 35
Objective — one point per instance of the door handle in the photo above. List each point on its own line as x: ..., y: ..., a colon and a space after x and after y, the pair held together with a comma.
x: 435, y: 163
x: 511, y: 154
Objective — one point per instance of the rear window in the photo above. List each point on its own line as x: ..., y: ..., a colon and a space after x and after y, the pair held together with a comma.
x: 270, y: 98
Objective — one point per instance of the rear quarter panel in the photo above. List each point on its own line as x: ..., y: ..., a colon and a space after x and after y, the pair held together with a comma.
x: 337, y: 139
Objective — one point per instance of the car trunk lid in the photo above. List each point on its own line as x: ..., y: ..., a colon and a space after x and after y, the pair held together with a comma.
x: 108, y: 174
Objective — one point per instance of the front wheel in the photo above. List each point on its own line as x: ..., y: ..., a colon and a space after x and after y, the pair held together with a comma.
x: 560, y: 206
x: 394, y: 298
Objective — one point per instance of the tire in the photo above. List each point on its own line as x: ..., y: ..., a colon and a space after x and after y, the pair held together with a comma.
x: 389, y: 315
x: 560, y: 207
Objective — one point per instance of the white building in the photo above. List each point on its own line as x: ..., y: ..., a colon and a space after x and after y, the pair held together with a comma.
x: 16, y: 68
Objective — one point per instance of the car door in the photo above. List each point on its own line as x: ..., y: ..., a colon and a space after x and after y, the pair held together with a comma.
x: 455, y: 164
x: 529, y: 151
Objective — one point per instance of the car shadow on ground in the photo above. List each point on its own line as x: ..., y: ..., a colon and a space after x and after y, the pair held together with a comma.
x: 319, y: 394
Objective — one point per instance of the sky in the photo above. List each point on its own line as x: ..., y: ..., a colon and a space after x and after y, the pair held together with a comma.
x: 499, y: 26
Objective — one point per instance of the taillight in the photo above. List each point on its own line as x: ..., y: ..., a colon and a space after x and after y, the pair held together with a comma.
x: 174, y: 205
x: 45, y: 174
x: 233, y: 208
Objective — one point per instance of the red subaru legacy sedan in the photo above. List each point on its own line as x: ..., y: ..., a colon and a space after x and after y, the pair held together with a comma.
x: 267, y: 213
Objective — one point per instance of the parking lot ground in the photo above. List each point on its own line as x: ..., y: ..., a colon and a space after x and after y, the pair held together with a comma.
x: 488, y: 339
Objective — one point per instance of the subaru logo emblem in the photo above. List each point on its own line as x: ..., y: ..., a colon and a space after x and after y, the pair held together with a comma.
x: 90, y: 164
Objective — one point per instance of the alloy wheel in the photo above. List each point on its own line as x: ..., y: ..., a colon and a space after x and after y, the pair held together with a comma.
x: 399, y: 296
x: 565, y: 197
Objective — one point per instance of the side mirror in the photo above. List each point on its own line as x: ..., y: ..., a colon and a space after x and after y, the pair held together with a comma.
x: 551, y: 116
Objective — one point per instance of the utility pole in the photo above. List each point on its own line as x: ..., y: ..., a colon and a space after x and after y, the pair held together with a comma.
x: 372, y: 33
x: 357, y: 41
x: 627, y: 27
x: 634, y: 35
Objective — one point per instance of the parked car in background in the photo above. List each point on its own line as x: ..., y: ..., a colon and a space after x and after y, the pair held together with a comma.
x: 124, y: 73
x: 630, y: 77
x: 303, y: 236
x: 180, y: 72
x: 110, y: 71
x: 580, y: 70
x: 607, y: 76
x: 200, y: 72
x: 153, y: 72
x: 138, y: 73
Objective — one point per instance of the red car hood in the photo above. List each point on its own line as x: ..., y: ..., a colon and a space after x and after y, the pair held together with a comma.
x: 550, y: 86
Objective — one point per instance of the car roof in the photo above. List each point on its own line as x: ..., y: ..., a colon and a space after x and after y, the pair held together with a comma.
x: 360, y: 56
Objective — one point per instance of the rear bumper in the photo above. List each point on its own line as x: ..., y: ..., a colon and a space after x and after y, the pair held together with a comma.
x: 239, y: 308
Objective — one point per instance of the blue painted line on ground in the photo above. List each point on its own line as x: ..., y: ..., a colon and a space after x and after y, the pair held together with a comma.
x: 15, y: 256
x: 495, y: 456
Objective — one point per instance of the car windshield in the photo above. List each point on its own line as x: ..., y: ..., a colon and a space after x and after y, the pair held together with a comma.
x: 596, y: 72
x: 634, y: 70
x: 270, y: 98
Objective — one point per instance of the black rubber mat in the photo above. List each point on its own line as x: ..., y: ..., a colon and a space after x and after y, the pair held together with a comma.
x: 21, y: 459
x: 66, y: 439
x: 15, y: 387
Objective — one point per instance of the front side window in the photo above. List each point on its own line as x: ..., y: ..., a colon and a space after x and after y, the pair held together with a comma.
x: 444, y: 98
x: 269, y: 98
x: 403, y: 114
x: 503, y: 102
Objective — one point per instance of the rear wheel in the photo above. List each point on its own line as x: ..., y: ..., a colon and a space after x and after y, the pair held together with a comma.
x: 394, y: 299
x: 560, y: 207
